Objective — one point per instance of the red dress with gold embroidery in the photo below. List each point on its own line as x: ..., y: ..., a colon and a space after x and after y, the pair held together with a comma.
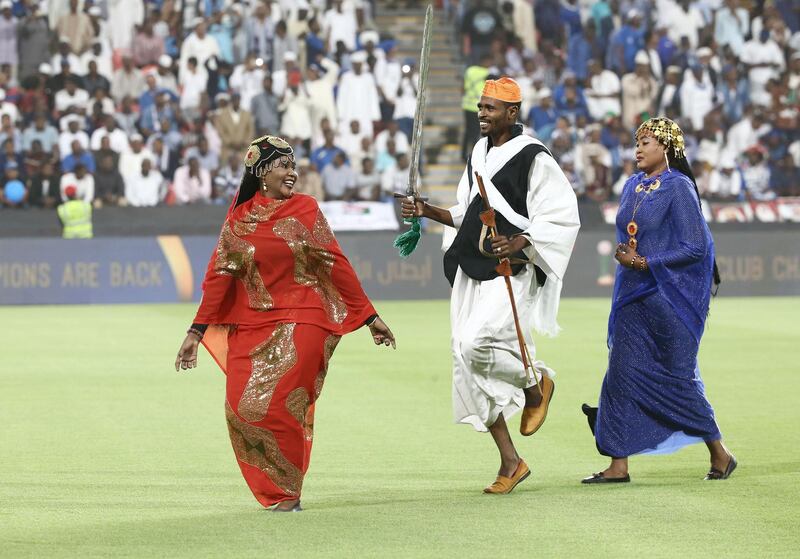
x: 277, y: 296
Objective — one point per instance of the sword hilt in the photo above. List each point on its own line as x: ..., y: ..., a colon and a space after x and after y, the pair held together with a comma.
x: 401, y: 195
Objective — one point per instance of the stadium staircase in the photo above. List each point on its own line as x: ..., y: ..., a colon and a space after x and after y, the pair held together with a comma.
x: 442, y: 166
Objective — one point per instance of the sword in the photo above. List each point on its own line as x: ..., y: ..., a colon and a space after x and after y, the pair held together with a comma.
x: 419, y: 114
x: 407, y: 242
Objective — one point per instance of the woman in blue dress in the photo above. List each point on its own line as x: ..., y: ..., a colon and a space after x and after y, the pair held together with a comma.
x: 652, y: 400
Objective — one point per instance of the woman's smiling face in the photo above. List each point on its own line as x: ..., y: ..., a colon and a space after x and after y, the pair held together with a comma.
x: 279, y: 181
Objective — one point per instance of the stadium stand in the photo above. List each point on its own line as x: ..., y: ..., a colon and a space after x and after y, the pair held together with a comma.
x: 96, y: 88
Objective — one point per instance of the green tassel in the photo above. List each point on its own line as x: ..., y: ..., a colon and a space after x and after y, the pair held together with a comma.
x: 406, y: 242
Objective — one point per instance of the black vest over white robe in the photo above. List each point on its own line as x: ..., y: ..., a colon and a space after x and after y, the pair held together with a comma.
x: 511, y: 182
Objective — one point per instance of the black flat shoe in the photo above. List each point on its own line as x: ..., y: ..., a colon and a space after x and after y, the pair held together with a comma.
x: 600, y: 478
x: 714, y: 474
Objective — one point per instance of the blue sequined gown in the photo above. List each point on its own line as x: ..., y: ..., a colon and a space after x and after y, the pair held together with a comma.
x: 652, y: 399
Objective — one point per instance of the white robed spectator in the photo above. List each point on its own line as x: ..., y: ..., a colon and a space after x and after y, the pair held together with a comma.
x: 697, y: 99
x: 744, y: 134
x: 72, y: 133
x: 8, y: 108
x: 194, y: 81
x: 731, y: 24
x: 200, y: 45
x: 84, y: 185
x: 143, y: 189
x: 725, y: 180
x: 124, y: 15
x: 679, y: 22
x: 116, y: 137
x: 248, y: 80
x: 340, y: 24
x: 130, y: 160
x: 392, y: 132
x: 358, y: 95
x: 101, y: 58
x: 603, y: 94
x: 320, y: 90
x: 296, y: 105
x: 767, y: 60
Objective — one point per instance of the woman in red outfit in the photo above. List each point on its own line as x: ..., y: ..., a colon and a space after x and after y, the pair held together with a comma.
x: 277, y: 297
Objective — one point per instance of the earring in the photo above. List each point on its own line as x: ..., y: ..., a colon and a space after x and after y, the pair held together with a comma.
x: 666, y: 159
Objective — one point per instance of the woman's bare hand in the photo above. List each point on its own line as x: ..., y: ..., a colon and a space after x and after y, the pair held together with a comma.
x: 381, y: 334
x: 187, y: 354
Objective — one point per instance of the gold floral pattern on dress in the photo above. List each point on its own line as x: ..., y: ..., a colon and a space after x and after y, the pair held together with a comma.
x: 258, y: 213
x: 322, y: 231
x: 330, y: 345
x: 236, y: 257
x: 297, y: 403
x: 312, y: 265
x: 271, y: 360
x: 259, y: 448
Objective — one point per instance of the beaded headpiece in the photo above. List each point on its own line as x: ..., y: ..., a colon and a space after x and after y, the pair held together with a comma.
x: 666, y: 132
x: 264, y: 151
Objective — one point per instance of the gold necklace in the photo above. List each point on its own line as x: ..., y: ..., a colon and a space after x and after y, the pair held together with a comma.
x: 633, y: 227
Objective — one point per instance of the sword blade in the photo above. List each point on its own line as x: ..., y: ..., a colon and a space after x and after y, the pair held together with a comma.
x: 422, y: 97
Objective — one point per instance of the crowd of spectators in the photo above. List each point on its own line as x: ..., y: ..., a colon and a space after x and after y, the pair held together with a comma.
x: 728, y: 71
x: 140, y: 103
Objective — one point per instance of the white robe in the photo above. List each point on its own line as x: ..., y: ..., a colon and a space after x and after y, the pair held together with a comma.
x: 323, y: 103
x: 296, y: 109
x: 358, y: 100
x: 605, y: 83
x: 488, y: 376
x: 123, y: 16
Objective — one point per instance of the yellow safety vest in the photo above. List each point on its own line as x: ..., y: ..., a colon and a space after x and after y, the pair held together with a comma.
x: 474, y: 80
x: 76, y: 215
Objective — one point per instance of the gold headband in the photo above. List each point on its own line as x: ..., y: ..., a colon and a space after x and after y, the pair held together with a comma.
x: 263, y: 151
x: 666, y: 132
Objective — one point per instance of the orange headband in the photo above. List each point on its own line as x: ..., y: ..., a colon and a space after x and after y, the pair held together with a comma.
x: 504, y: 89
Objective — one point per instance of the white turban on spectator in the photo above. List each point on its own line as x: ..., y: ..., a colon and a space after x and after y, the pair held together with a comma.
x: 702, y: 52
x: 727, y: 161
x: 165, y: 61
x: 544, y: 93
x: 358, y: 57
x: 642, y: 58
x: 370, y: 36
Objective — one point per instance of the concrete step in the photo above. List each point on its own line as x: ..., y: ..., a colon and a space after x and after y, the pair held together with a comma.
x: 443, y: 169
x: 444, y: 117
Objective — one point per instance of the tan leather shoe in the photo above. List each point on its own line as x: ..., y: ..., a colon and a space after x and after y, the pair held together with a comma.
x: 532, y: 418
x: 504, y: 485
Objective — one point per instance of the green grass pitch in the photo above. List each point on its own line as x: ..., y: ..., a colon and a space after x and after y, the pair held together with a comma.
x: 107, y: 452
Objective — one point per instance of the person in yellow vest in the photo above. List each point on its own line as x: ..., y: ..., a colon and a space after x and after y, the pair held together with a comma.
x: 474, y: 79
x: 75, y: 215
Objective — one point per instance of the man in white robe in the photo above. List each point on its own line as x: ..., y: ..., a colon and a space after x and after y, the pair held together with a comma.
x: 697, y: 97
x: 340, y: 24
x: 602, y: 96
x: 765, y: 61
x: 358, y: 98
x: 123, y: 17
x: 537, y: 222
x: 320, y: 80
x: 199, y: 45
